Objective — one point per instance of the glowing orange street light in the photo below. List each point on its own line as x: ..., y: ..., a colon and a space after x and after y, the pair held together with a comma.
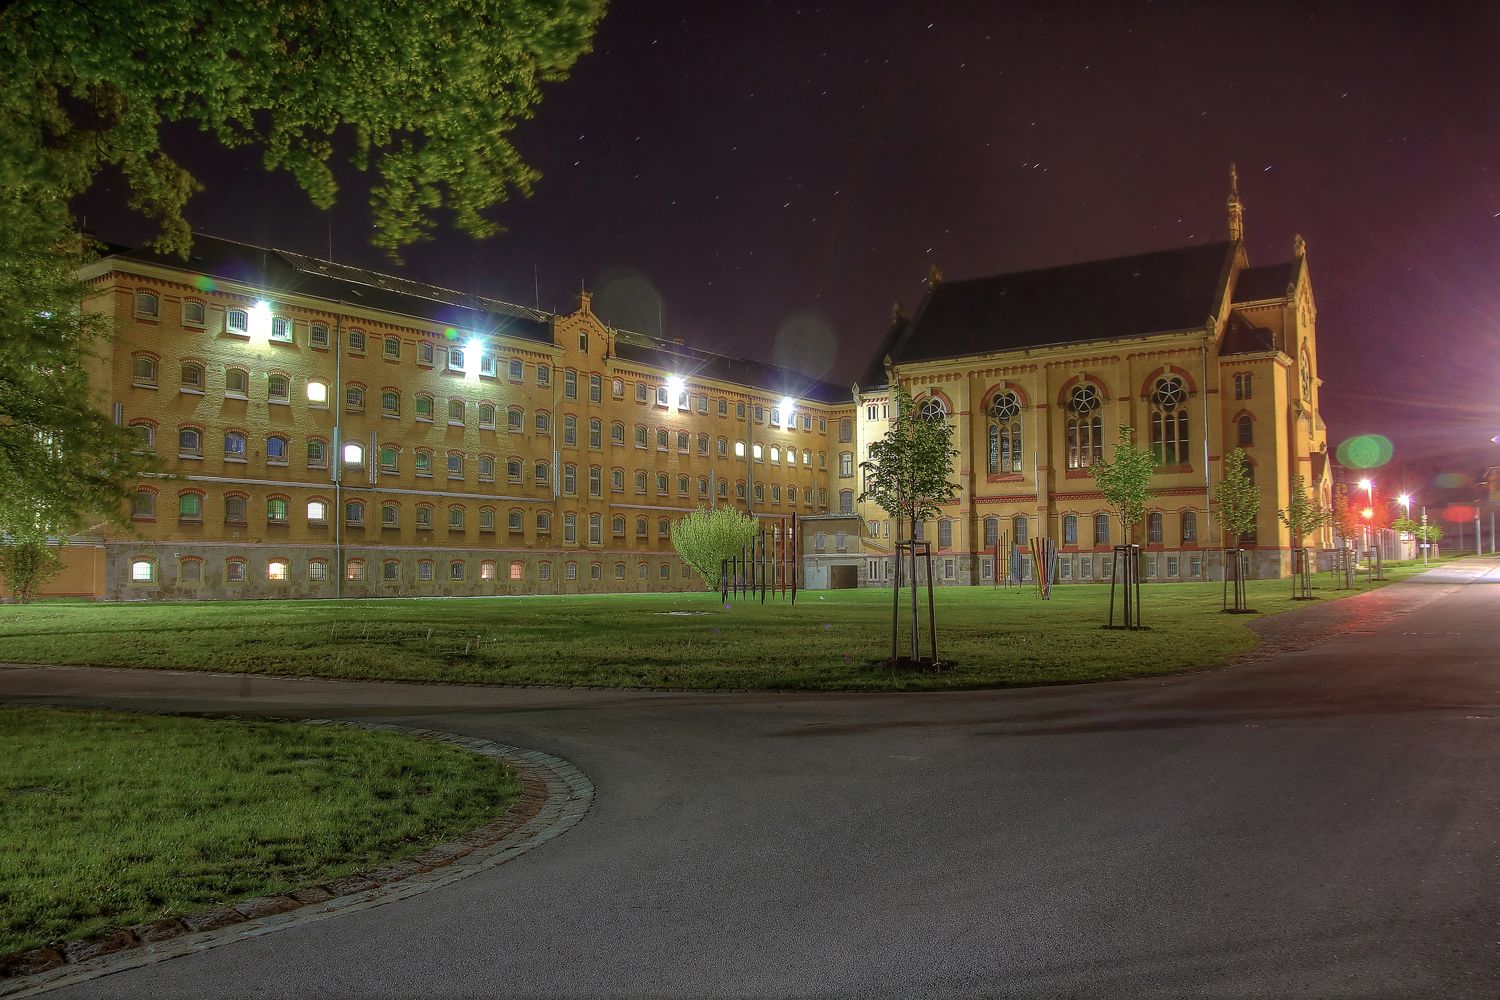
x: 1367, y: 513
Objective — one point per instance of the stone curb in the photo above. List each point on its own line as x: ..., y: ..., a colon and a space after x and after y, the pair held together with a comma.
x: 555, y: 796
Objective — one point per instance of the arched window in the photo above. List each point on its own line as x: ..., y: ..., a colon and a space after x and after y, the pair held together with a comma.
x: 991, y: 531
x: 1244, y: 431
x: 455, y: 411
x: 596, y: 432
x: 1070, y: 529
x: 486, y: 415
x: 640, y: 482
x: 189, y: 441
x: 237, y: 383
x: 276, y: 450
x: 617, y: 526
x: 1169, y: 421
x: 1084, y: 427
x: 1154, y: 527
x: 192, y: 376
x: 1101, y: 529
x: 144, y: 370
x: 317, y: 453
x: 354, y: 453
x: 642, y: 528
x: 1020, y: 529
x: 234, y: 446
x: 945, y: 533
x: 543, y: 523
x: 932, y: 410
x: 846, y: 501
x: 1189, y: 526
x: 146, y: 304
x: 1004, y: 433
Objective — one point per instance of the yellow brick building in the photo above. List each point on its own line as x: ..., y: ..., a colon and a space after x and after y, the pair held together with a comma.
x: 329, y: 431
x: 1193, y: 348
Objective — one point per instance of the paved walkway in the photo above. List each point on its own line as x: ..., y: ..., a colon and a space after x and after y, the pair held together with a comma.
x: 1321, y: 823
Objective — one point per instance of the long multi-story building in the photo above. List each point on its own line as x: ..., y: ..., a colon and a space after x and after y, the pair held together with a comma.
x: 328, y: 431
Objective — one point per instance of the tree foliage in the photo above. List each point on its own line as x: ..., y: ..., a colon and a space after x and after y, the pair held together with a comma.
x: 1344, y: 516
x: 27, y: 562
x: 907, y: 472
x: 708, y: 536
x: 63, y: 463
x: 1237, y: 497
x: 1303, y: 515
x: 423, y: 94
x: 1125, y: 480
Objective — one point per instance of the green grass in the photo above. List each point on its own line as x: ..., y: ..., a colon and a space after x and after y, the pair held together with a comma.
x: 828, y: 640
x: 109, y: 819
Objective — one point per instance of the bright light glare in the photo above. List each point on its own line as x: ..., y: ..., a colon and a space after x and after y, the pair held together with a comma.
x: 473, y: 351
x: 788, y: 408
x: 674, y: 390
x: 1405, y: 499
x: 260, y: 320
x: 1367, y: 513
x: 317, y: 392
x: 1365, y: 484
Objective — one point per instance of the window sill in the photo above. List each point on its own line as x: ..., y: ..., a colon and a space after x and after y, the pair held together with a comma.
x: 280, y: 340
x: 189, y: 458
x: 351, y: 411
x: 424, y: 475
x: 312, y: 466
x: 277, y: 461
x: 317, y: 524
x: 317, y: 406
x: 455, y: 423
x: 234, y: 460
x: 390, y: 416
x: 143, y: 385
x: 422, y: 420
x: 486, y: 427
x: 229, y: 394
x: 189, y: 391
x: 484, y: 480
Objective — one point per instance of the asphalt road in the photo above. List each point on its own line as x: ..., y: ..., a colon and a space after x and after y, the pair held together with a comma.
x: 1324, y: 823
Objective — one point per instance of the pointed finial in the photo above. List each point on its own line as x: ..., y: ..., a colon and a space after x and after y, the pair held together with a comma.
x: 934, y: 276
x: 1236, y: 208
x: 1299, y: 246
x: 897, y: 313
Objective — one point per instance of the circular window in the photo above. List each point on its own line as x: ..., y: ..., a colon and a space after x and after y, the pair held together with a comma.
x: 1084, y: 399
x: 1170, y: 393
x: 933, y: 410
x: 1005, y: 406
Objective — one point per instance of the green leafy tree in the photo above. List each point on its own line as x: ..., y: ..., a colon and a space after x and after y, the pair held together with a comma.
x: 27, y: 562
x: 1344, y: 516
x: 907, y: 472
x: 1303, y: 515
x: 1237, y: 497
x: 422, y: 94
x: 1125, y: 480
x: 906, y: 476
x: 708, y: 536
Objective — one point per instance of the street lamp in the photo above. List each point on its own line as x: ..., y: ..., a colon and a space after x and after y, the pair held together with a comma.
x: 1368, y: 486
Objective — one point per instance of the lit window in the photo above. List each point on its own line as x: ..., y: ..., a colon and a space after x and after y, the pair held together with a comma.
x: 234, y: 446
x: 355, y: 570
x: 739, y: 449
x: 317, y: 393
x: 234, y: 570
x: 354, y: 454
x: 317, y: 511
x: 142, y: 571
x: 276, y: 569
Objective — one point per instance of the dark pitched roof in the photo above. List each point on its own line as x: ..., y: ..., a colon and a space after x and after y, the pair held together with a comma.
x: 1243, y: 337
x: 1268, y: 281
x: 1097, y: 300
x: 690, y: 362
x: 288, y: 272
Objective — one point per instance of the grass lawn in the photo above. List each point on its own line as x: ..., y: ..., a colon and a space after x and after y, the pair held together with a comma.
x: 828, y: 640
x: 109, y: 820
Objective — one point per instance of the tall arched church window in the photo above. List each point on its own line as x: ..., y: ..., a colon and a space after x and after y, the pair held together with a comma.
x: 1085, y: 428
x: 1307, y: 377
x: 1169, y: 421
x: 932, y: 410
x: 1004, y: 433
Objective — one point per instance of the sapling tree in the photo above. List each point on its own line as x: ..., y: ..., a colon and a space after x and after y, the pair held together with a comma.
x: 27, y: 562
x: 1238, y: 500
x: 907, y: 476
x: 1125, y: 481
x: 1303, y: 515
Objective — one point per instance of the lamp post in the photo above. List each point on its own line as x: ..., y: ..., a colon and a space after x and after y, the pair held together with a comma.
x: 1369, y: 487
x: 1405, y: 501
x: 1424, y: 534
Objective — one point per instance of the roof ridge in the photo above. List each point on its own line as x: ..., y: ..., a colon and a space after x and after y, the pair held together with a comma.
x: 1217, y: 244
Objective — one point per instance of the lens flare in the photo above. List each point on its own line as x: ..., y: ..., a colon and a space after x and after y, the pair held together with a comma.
x: 1458, y: 512
x: 1451, y: 480
x: 451, y: 333
x: 1367, y: 451
x: 204, y: 283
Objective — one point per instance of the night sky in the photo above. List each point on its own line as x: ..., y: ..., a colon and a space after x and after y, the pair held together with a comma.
x: 767, y: 178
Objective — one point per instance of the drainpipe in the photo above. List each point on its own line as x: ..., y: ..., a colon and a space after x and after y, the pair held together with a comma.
x: 1208, y: 517
x: 336, y: 460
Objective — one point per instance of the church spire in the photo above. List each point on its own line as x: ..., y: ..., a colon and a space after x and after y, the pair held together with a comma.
x: 1236, y: 208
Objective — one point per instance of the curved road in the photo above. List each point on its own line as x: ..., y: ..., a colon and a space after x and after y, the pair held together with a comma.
x: 1323, y: 822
